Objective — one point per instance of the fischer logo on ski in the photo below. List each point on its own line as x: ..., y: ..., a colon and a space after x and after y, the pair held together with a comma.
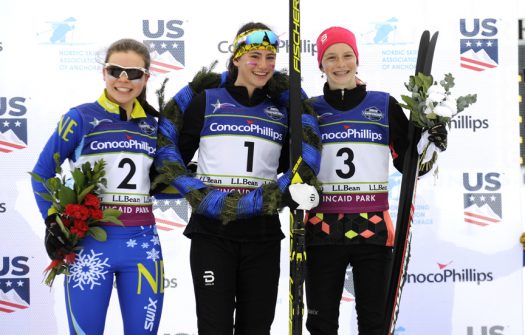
x: 297, y: 217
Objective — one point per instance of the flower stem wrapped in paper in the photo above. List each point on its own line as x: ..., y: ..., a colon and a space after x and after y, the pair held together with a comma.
x: 77, y: 212
x: 432, y: 105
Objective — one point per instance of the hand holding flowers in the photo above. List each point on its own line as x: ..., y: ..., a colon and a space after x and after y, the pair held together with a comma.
x: 432, y: 106
x: 77, y: 212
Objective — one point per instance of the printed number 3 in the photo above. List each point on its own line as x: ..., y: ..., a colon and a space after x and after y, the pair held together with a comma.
x: 348, y: 162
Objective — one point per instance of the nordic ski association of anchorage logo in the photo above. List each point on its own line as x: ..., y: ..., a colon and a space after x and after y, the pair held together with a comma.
x: 478, y: 45
x: 57, y: 31
x: 163, y: 39
x: 70, y: 38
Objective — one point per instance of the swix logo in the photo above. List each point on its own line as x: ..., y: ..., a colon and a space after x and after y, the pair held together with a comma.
x: 209, y: 278
x: 448, y: 275
x: 486, y: 330
x: 14, y: 289
x: 477, y: 52
x: 151, y: 313
x: 13, y: 130
x: 482, y: 208
x: 163, y: 39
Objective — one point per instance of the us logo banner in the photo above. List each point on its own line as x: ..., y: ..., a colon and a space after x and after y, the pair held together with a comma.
x: 13, y: 134
x: 479, y: 54
x: 482, y: 209
x: 14, y: 294
x: 165, y: 46
x: 478, y: 45
x: 171, y: 213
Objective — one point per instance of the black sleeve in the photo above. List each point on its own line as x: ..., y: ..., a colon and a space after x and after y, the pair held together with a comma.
x: 193, y: 121
x: 284, y: 160
x: 398, y: 126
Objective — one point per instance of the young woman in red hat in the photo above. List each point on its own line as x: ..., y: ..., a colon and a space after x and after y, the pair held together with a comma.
x: 360, y: 129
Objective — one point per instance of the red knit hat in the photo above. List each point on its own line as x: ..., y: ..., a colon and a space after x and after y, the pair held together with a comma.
x: 334, y: 35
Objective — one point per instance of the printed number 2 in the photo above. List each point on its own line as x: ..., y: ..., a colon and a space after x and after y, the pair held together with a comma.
x: 132, y: 169
x: 249, y: 162
x: 348, y: 161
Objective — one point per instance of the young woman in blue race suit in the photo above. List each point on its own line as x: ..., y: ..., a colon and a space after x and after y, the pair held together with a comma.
x: 119, y: 127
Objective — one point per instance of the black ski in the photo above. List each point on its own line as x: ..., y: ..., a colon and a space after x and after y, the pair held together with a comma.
x: 297, y: 217
x: 407, y: 196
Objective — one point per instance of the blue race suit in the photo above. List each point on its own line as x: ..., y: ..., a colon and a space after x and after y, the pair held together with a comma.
x: 132, y: 252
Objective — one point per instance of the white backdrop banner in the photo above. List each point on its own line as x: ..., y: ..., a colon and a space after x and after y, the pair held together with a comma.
x: 464, y: 276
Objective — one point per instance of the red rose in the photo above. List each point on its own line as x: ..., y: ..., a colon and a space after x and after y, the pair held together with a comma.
x: 70, y: 258
x: 92, y: 200
x: 78, y: 212
x: 80, y: 228
x: 96, y: 214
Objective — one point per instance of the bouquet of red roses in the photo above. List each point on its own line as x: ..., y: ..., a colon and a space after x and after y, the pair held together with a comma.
x: 77, y: 209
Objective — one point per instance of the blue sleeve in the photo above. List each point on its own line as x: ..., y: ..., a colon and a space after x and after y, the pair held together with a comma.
x: 64, y: 140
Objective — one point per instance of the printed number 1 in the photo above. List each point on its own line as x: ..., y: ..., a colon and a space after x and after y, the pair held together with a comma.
x: 249, y: 163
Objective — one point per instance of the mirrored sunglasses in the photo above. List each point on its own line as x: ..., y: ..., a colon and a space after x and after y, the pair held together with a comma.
x: 132, y: 73
x: 257, y: 37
